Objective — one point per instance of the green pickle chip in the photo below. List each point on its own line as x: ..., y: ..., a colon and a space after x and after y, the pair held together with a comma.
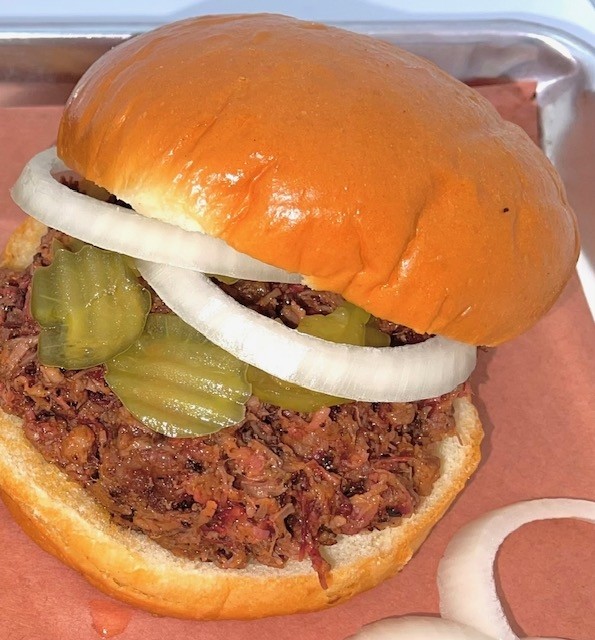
x: 347, y: 324
x: 176, y: 382
x: 90, y: 306
x: 283, y: 394
x: 224, y: 279
x: 374, y: 337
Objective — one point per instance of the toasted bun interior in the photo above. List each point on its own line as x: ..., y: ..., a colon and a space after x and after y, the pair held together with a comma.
x: 335, y: 155
x: 64, y: 520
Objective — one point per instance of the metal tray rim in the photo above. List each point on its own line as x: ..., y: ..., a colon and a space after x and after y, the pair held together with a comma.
x: 20, y: 29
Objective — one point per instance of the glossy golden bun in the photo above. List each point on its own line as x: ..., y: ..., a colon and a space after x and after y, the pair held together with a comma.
x: 335, y: 155
x: 65, y: 521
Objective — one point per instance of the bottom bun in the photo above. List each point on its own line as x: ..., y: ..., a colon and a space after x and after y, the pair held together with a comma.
x: 64, y: 520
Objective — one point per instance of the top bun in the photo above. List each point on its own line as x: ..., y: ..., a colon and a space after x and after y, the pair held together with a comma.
x: 334, y: 155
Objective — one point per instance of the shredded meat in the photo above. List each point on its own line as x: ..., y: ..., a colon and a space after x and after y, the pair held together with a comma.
x: 288, y: 302
x: 291, y: 302
x: 278, y: 486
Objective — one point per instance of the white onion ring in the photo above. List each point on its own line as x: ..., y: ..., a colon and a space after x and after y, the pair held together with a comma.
x: 466, y: 572
x: 421, y: 628
x: 386, y: 374
x: 417, y: 628
x: 116, y: 228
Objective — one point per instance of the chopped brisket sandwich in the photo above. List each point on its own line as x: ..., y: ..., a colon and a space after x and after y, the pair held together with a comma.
x: 236, y: 332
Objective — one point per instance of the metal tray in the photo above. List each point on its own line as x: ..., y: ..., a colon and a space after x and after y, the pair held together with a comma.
x: 40, y: 64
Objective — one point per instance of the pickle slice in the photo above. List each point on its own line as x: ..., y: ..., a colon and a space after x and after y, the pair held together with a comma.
x: 286, y: 395
x: 176, y: 382
x: 93, y: 190
x: 374, y: 337
x: 347, y: 324
x: 74, y: 244
x: 90, y: 307
x: 224, y: 279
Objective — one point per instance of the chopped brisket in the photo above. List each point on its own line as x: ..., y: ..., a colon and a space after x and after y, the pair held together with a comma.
x: 278, y: 486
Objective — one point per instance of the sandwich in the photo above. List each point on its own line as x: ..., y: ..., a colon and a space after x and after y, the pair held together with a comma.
x: 237, y: 328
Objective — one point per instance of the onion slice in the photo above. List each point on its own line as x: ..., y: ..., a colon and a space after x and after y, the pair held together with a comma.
x: 384, y: 374
x: 417, y: 628
x: 466, y: 572
x: 119, y: 229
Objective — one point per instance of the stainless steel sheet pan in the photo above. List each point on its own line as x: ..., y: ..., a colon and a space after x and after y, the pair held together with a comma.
x: 40, y: 64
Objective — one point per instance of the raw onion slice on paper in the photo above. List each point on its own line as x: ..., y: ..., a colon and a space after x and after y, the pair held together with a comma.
x: 417, y: 628
x: 384, y: 374
x: 469, y: 602
x: 466, y: 572
x: 422, y: 628
x: 119, y: 229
